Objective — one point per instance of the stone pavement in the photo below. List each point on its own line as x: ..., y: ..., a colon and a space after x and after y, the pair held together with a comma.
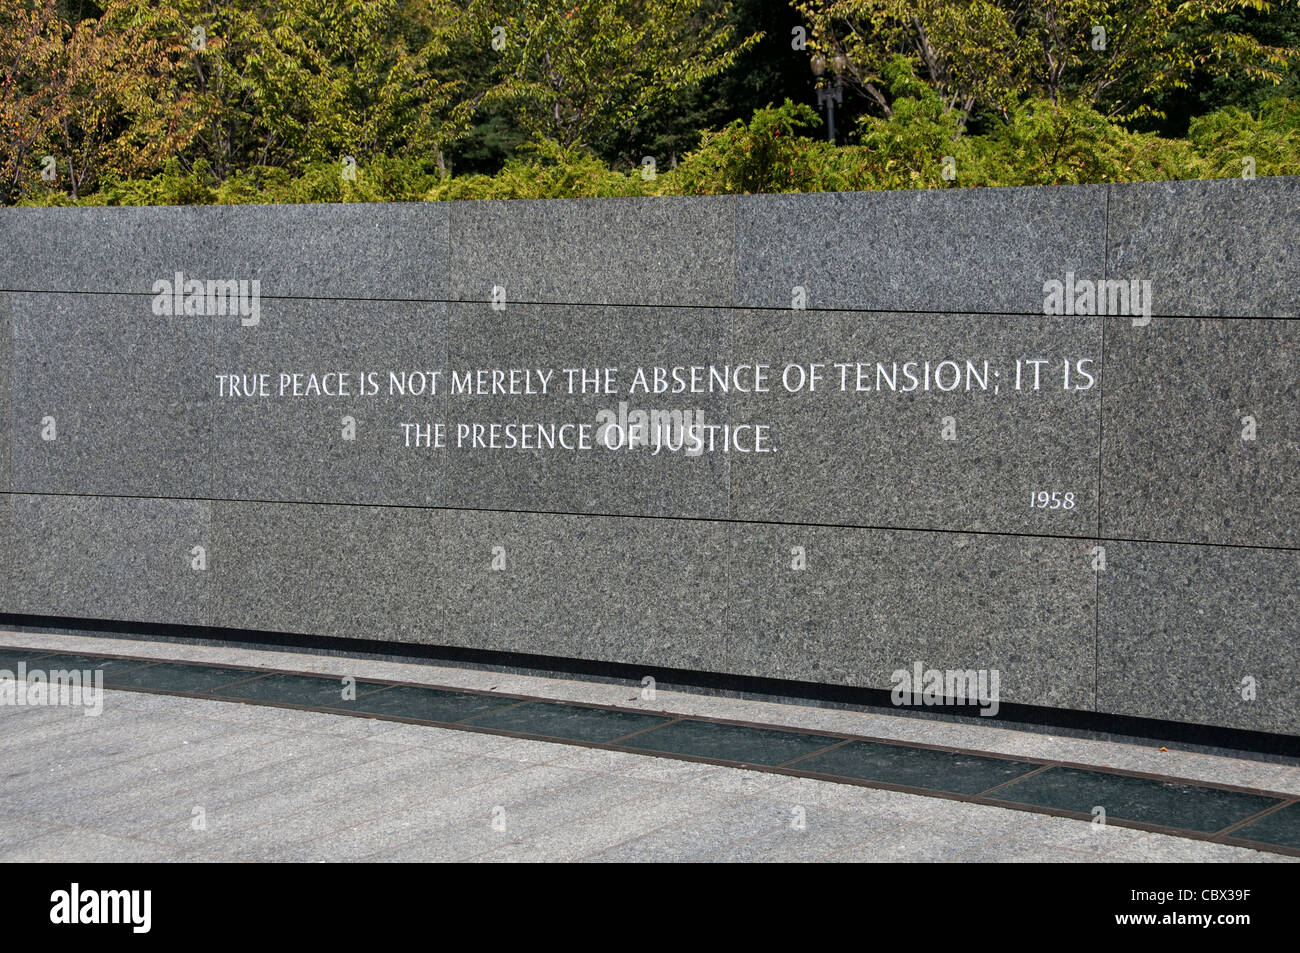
x: 159, y: 778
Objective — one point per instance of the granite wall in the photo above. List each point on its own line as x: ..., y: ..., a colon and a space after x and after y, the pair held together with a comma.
x: 868, y: 513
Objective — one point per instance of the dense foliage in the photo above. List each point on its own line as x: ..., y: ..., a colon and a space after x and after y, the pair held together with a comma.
x: 196, y: 101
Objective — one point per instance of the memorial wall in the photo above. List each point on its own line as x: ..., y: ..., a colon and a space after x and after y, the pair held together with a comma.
x: 1048, y: 434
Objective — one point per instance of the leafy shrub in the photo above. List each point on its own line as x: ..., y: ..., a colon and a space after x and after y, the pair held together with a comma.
x: 1037, y: 143
x: 544, y: 170
x: 1222, y: 139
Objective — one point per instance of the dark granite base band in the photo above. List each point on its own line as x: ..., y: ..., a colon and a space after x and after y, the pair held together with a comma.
x: 642, y: 592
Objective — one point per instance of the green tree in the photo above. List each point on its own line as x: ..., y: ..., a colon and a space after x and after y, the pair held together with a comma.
x: 766, y: 154
x: 312, y: 80
x: 1116, y: 56
x: 768, y: 71
x: 1279, y: 27
x: 579, y: 71
x: 99, y: 94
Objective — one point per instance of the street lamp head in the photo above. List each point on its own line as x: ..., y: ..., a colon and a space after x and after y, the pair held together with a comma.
x: 818, y: 65
x: 838, y: 63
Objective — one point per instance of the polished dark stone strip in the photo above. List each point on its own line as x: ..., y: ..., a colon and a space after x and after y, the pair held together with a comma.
x: 430, y: 704
x: 917, y: 767
x: 1145, y: 800
x: 170, y: 677
x: 1281, y: 827
x: 740, y: 743
x: 324, y: 692
x: 570, y: 722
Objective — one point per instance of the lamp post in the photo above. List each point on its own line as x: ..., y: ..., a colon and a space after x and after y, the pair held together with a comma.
x: 830, y: 92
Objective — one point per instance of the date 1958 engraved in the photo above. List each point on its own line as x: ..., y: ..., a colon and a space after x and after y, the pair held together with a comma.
x: 1055, y: 500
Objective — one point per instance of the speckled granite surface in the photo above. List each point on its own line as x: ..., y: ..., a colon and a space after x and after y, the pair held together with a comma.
x: 883, y: 525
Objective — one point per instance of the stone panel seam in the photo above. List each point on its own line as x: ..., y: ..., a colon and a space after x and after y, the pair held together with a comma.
x: 932, y: 312
x: 570, y: 514
x: 1101, y: 430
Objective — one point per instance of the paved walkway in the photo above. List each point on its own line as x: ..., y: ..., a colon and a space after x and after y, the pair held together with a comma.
x: 159, y: 777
